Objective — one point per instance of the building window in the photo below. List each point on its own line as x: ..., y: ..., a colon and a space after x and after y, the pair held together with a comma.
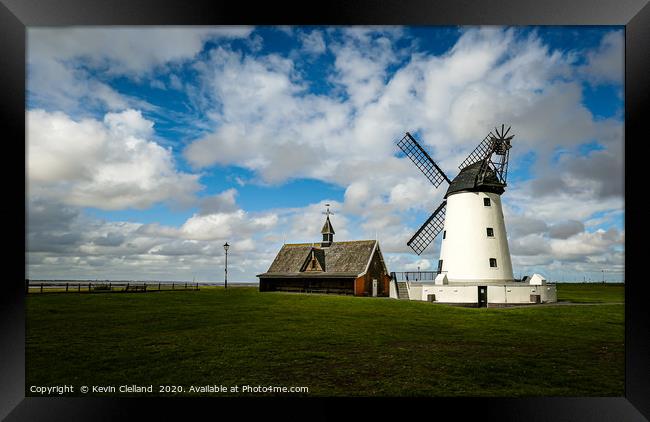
x: 493, y: 262
x: 490, y: 232
x: 439, y: 266
x: 444, y: 234
x: 486, y: 202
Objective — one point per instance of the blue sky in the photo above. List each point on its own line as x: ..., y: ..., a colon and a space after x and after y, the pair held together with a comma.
x: 151, y: 147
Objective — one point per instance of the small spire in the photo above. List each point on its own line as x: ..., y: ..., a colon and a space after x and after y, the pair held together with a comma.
x: 327, y: 231
x: 327, y: 227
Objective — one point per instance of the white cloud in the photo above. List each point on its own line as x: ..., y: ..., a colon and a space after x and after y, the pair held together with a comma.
x: 313, y: 42
x: 212, y: 226
x: 566, y: 229
x: 586, y: 244
x: 61, y: 61
x: 285, y: 29
x: 175, y: 82
x: 125, y: 50
x: 361, y: 62
x: 452, y: 101
x: 222, y: 225
x: 606, y: 63
x: 64, y: 242
x: 530, y: 245
x: 419, y: 265
x: 109, y: 164
x: 222, y: 202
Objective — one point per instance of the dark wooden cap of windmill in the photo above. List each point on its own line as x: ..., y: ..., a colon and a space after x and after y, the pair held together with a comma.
x: 469, y: 180
x: 486, y: 168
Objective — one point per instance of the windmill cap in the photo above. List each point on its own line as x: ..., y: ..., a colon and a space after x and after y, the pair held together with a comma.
x: 466, y: 180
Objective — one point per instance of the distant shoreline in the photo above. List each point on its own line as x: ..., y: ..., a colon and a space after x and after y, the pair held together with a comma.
x: 97, y: 281
x: 232, y: 283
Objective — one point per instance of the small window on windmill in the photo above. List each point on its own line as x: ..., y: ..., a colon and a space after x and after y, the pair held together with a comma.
x: 490, y: 232
x: 493, y: 262
x: 444, y: 234
x: 486, y: 202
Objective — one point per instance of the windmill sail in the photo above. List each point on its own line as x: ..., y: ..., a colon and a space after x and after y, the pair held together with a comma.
x: 429, y: 230
x: 422, y: 160
x: 479, y: 170
x: 481, y: 152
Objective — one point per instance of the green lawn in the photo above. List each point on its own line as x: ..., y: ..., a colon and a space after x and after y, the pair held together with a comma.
x: 335, y: 345
x: 591, y: 292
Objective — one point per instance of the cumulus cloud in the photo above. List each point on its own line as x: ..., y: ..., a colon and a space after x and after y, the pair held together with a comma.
x: 566, y: 229
x: 108, y: 164
x: 64, y: 242
x: 222, y: 202
x: 522, y: 225
x: 530, y: 245
x: 225, y: 225
x: 125, y: 50
x: 605, y: 64
x: 61, y: 61
x: 419, y: 265
x: 313, y: 42
x: 361, y: 62
x: 452, y: 101
x: 586, y: 244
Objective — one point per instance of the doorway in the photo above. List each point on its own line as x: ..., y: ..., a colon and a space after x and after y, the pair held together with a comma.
x: 482, y: 296
x: 374, y: 287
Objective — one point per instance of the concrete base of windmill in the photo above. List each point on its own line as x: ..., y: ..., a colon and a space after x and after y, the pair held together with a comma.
x: 483, y: 293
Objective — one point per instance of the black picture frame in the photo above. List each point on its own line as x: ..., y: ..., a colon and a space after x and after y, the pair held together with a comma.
x: 16, y: 15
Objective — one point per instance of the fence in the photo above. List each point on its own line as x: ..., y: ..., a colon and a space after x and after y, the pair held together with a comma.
x: 106, y: 287
x: 414, y: 275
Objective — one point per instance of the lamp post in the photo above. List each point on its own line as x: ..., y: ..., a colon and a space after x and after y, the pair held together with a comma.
x: 225, y: 248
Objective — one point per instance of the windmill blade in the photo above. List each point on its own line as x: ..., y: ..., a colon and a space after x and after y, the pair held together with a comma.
x: 429, y: 230
x: 422, y: 160
x: 481, y: 152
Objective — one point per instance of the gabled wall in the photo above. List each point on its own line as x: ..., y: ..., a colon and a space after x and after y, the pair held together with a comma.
x: 377, y: 271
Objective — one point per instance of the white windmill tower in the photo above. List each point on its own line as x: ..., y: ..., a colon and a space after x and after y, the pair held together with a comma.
x: 475, y: 262
x: 474, y: 243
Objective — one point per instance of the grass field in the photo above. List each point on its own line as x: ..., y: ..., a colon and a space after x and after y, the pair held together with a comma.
x: 335, y: 345
x: 591, y: 292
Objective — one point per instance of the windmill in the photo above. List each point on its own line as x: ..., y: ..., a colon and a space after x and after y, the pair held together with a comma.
x: 474, y: 246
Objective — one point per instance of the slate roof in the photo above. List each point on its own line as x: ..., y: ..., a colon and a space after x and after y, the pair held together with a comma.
x: 341, y: 259
x: 467, y: 181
